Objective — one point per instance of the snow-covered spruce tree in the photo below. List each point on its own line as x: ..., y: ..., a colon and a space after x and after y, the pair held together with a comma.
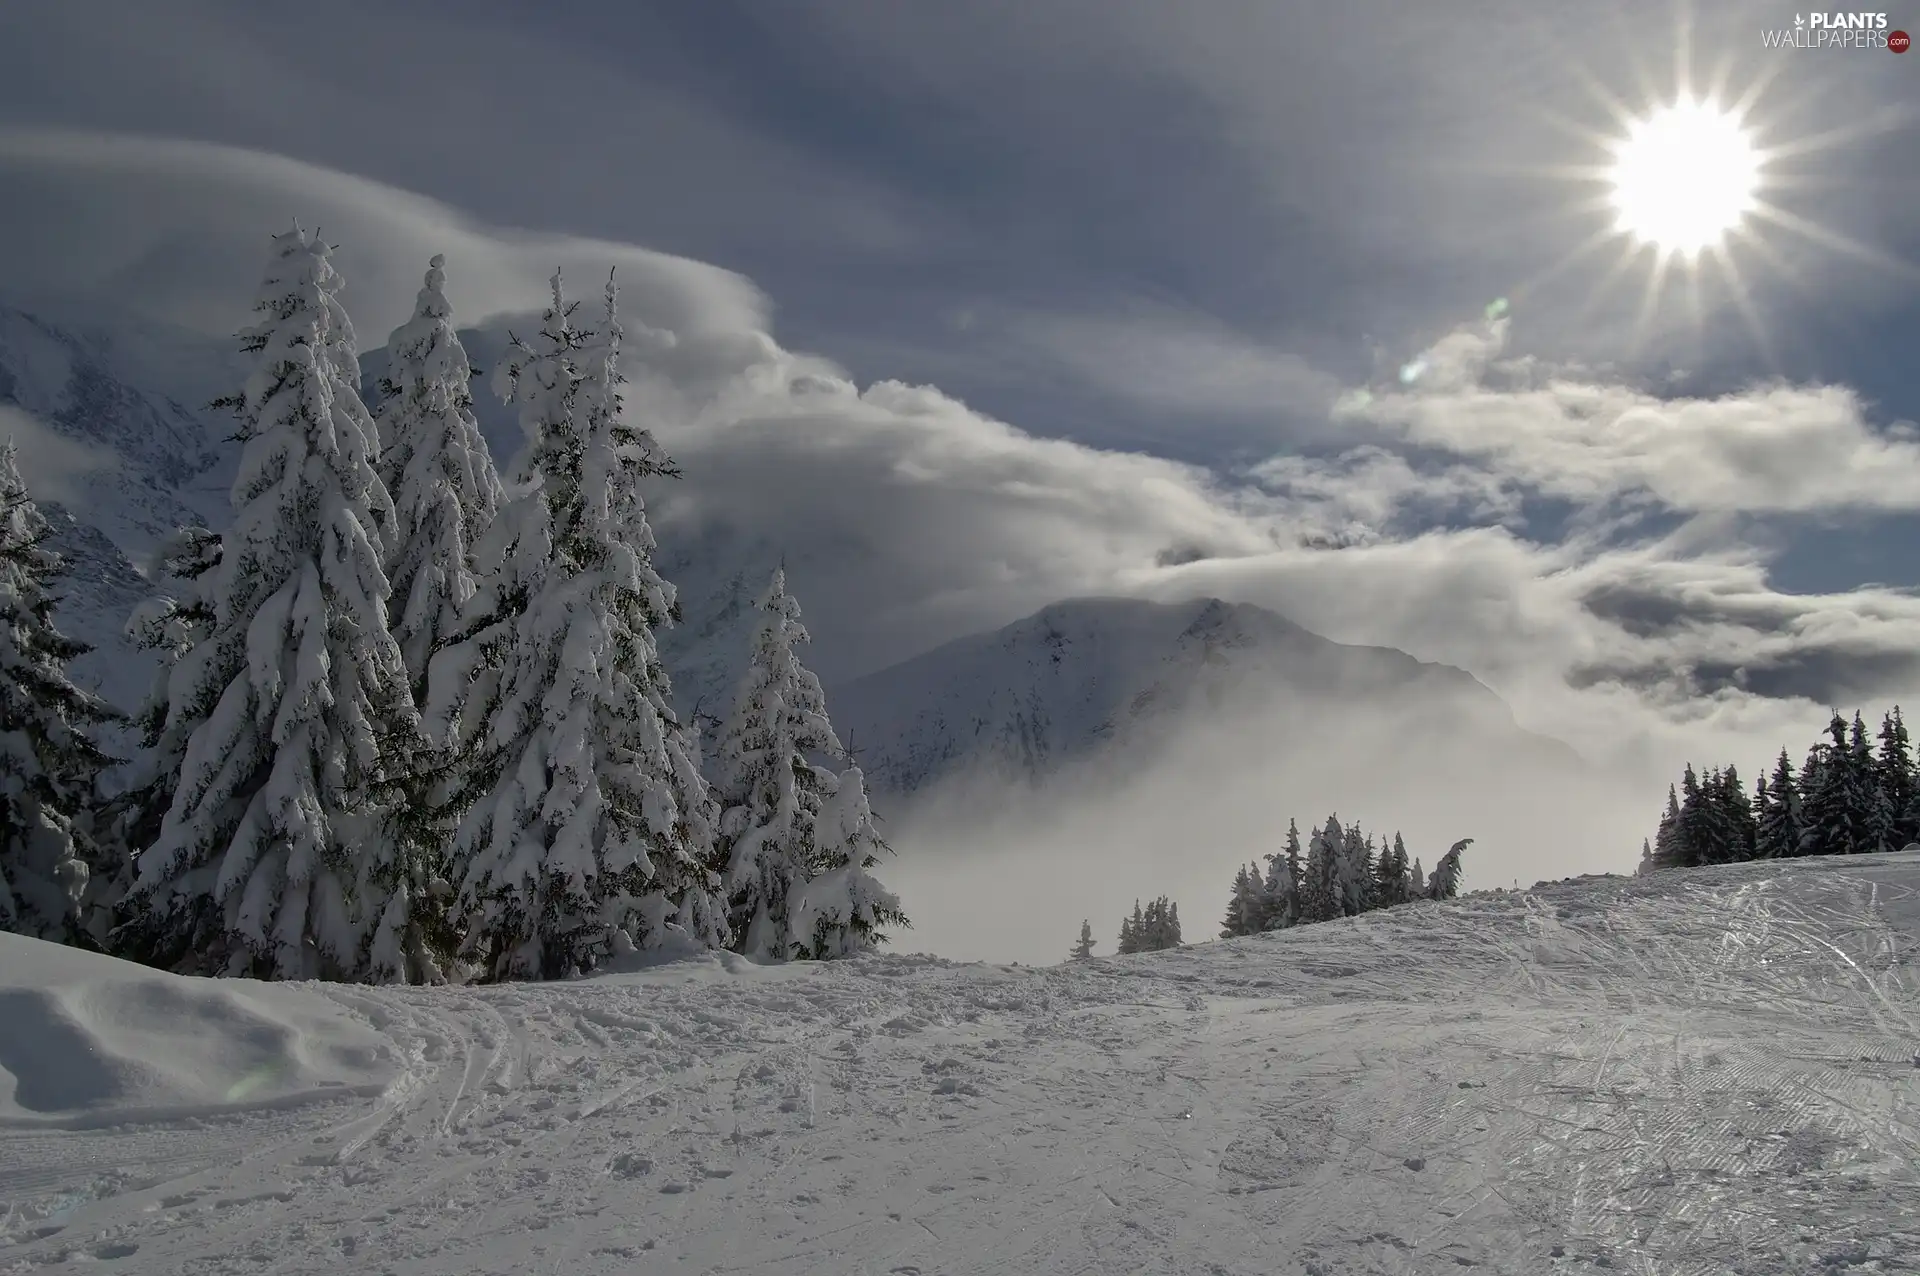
x: 49, y: 763
x: 1320, y: 893
x: 1894, y: 773
x: 1243, y: 905
x: 1353, y: 872
x: 1777, y: 832
x: 437, y: 468
x: 1083, y: 948
x: 1131, y: 929
x: 276, y: 858
x: 590, y: 827
x: 840, y: 909
x: 168, y: 625
x: 1833, y: 806
x: 1878, y: 816
x: 1285, y: 875
x: 770, y: 783
x: 1445, y: 882
x: 1159, y: 927
x: 1390, y: 874
x: 1666, y: 840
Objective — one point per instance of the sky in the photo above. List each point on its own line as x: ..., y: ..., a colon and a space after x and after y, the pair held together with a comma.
x: 972, y: 307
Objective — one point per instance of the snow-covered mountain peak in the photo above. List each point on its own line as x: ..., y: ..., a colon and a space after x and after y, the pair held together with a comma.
x: 1091, y: 675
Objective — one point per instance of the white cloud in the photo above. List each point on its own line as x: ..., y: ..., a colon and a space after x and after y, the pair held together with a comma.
x: 1775, y: 448
x: 179, y: 230
x: 910, y: 518
x: 1179, y: 363
x: 50, y: 462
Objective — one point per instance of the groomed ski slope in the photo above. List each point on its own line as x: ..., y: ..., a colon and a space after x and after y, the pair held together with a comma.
x: 1708, y: 1072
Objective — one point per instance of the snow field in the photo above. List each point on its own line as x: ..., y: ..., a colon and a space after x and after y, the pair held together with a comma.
x: 1703, y: 1072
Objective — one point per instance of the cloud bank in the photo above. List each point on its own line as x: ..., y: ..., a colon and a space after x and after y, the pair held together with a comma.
x: 1595, y: 552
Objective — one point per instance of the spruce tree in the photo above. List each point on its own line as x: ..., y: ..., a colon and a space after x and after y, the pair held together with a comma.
x: 1690, y: 830
x: 838, y: 911
x: 1878, y: 815
x: 1416, y: 881
x: 1894, y: 772
x: 1280, y: 892
x: 275, y: 858
x: 1833, y: 810
x: 440, y: 474
x: 445, y: 492
x: 169, y: 625
x: 1445, y: 882
x: 1390, y: 874
x: 1130, y: 931
x: 1244, y: 905
x: 1777, y: 834
x: 1084, y: 948
x: 51, y: 866
x: 1666, y: 841
x: 1321, y: 897
x: 770, y: 782
x: 590, y: 828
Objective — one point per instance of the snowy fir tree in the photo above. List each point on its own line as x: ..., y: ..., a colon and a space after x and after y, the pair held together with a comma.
x: 1151, y: 929
x: 1854, y: 795
x: 1083, y: 948
x: 840, y: 909
x: 1244, y: 910
x: 1320, y: 889
x: 589, y: 830
x: 770, y: 781
x: 1833, y: 805
x: 1445, y: 881
x: 275, y: 857
x: 50, y: 765
x: 1390, y: 874
x: 169, y: 625
x: 1893, y: 772
x: 1353, y: 872
x: 1285, y: 875
x: 440, y: 475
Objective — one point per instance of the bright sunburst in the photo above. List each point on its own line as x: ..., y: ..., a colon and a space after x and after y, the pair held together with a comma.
x: 1684, y: 177
x: 1694, y: 185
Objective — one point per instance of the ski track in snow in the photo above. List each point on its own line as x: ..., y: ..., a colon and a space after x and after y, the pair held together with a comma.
x: 1707, y: 1072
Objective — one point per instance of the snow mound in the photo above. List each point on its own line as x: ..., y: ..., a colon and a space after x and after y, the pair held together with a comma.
x: 90, y: 1041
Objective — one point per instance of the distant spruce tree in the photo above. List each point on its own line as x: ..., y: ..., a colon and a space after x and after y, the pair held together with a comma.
x: 1894, y: 773
x: 1777, y: 830
x: 1851, y: 797
x: 1320, y: 896
x: 1084, y: 948
x: 1445, y: 882
x: 1243, y: 905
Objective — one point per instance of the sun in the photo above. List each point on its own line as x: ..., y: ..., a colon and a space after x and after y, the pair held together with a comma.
x: 1685, y: 177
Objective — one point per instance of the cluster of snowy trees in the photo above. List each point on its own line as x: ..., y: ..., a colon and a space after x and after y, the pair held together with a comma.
x: 1853, y: 796
x: 411, y: 724
x: 1342, y: 872
x: 1152, y: 929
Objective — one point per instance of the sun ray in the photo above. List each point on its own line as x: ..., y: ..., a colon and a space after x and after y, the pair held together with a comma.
x: 1650, y: 300
x: 1604, y: 286
x: 1743, y: 302
x: 1833, y: 240
x: 1891, y: 120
